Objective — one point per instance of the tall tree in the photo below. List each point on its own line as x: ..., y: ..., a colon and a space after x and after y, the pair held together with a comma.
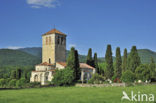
x: 89, y: 58
x: 109, y: 62
x: 133, y: 59
x: 13, y: 74
x: 18, y: 73
x: 118, y: 63
x: 96, y: 63
x: 71, y: 60
x: 124, y: 63
x: 77, y: 65
x: 152, y: 68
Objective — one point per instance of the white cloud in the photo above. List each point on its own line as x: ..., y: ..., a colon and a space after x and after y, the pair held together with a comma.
x: 72, y: 45
x: 13, y: 47
x: 43, y: 3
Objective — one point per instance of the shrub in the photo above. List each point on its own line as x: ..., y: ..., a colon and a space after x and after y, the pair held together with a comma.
x: 33, y: 84
x: 21, y: 83
x: 2, y: 83
x: 63, y: 77
x: 96, y: 79
x: 116, y: 79
x: 142, y: 73
x: 12, y: 83
x: 128, y: 76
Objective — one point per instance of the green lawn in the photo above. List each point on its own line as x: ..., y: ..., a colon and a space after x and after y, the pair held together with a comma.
x: 72, y: 94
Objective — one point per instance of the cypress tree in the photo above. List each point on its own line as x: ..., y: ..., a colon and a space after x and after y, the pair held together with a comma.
x: 96, y: 63
x: 78, y: 71
x: 13, y: 74
x: 71, y: 60
x: 89, y: 57
x: 109, y: 62
x: 18, y: 73
x: 133, y: 59
x: 118, y: 63
x: 124, y: 63
x: 152, y: 68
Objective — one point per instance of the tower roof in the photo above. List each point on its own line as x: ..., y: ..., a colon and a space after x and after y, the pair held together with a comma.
x: 53, y: 31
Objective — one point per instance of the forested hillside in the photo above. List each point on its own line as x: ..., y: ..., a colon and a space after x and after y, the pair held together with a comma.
x: 17, y: 58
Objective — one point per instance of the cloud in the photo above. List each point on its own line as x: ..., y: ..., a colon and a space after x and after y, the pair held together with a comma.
x: 43, y: 3
x: 13, y: 47
x: 72, y: 45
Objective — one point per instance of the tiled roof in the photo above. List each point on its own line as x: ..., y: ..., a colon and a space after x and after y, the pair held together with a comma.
x: 62, y: 63
x: 45, y: 70
x: 82, y: 65
x: 53, y: 31
x: 46, y: 64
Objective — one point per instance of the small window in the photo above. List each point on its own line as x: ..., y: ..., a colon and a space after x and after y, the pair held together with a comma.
x: 49, y: 61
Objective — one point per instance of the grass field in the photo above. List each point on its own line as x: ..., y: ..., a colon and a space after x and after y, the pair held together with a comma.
x: 72, y: 94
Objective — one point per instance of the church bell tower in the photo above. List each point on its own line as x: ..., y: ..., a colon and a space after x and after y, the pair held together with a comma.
x: 53, y: 47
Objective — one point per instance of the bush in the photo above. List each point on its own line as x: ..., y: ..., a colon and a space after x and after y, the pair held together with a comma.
x: 2, y: 83
x: 142, y: 73
x: 12, y: 83
x: 128, y: 76
x: 116, y: 79
x: 63, y: 77
x: 96, y: 79
x: 21, y: 83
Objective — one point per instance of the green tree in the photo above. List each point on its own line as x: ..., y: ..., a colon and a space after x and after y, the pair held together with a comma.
x: 118, y: 63
x: 152, y: 69
x: 13, y: 74
x: 133, y: 59
x: 72, y: 63
x: 77, y: 65
x: 142, y: 72
x: 124, y: 63
x: 21, y: 83
x: 2, y: 83
x: 109, y: 62
x: 18, y: 73
x: 96, y: 63
x: 12, y: 83
x: 128, y: 76
x: 89, y: 58
x: 71, y: 59
x: 63, y: 77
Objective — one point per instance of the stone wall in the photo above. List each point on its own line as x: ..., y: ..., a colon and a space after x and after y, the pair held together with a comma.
x: 102, y: 85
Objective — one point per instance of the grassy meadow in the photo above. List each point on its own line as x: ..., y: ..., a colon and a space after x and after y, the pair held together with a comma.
x: 72, y: 94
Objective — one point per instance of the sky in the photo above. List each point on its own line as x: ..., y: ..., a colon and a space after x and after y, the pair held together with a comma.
x: 87, y: 23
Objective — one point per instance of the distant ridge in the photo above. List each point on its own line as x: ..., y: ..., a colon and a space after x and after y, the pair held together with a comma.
x: 32, y: 56
x: 145, y: 54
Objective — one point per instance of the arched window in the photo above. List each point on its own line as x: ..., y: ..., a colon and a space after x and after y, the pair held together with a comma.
x: 46, y: 40
x: 36, y: 78
x: 49, y: 40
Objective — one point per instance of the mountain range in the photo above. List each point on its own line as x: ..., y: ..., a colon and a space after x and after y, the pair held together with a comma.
x: 32, y: 56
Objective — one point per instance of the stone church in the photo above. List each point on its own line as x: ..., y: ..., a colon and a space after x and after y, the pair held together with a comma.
x: 54, y: 57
